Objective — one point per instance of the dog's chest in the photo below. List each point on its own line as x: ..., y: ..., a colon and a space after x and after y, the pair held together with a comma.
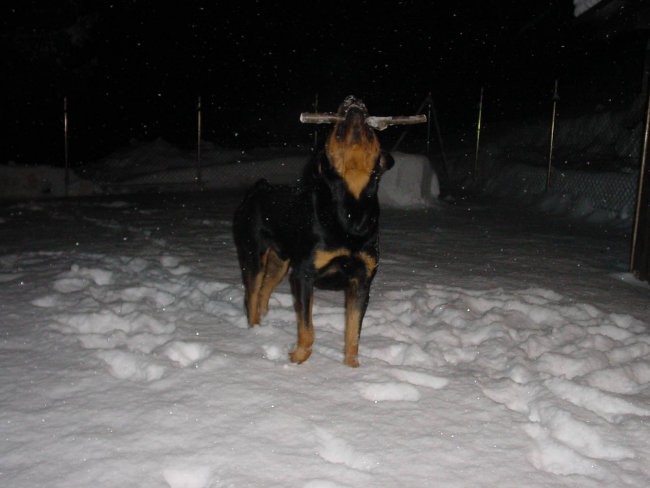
x: 336, y: 268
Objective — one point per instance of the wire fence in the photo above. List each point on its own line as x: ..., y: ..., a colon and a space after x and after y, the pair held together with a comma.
x: 556, y: 129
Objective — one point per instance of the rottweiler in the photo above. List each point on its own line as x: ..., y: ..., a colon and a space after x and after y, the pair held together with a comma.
x: 323, y: 231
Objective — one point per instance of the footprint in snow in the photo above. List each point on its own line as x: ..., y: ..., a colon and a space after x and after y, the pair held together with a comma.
x: 389, y: 391
x: 420, y: 379
x: 173, y: 266
x: 79, y: 278
x: 186, y: 353
x: 336, y: 450
x: 194, y: 477
x: 128, y: 366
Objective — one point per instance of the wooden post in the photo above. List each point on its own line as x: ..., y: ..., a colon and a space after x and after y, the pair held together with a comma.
x: 640, y: 256
x: 65, y: 146
x: 552, y: 138
x: 478, y: 133
x: 199, y: 176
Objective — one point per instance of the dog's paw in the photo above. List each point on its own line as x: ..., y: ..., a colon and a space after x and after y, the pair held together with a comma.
x: 300, y: 355
x: 352, y: 361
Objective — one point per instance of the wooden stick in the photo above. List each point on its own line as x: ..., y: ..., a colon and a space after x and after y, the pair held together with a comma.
x: 379, y: 123
x: 320, y: 118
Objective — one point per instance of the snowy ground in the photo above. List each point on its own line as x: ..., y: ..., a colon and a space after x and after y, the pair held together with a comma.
x: 499, y: 349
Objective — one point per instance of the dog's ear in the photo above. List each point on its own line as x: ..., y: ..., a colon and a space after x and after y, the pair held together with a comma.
x: 386, y: 161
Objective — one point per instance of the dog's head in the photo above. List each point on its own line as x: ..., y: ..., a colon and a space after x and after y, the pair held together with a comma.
x: 353, y: 150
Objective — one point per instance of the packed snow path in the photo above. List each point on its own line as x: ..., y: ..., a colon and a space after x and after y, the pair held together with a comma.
x: 497, y: 351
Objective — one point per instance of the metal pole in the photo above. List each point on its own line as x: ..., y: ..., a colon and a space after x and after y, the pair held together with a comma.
x: 198, y: 144
x: 642, y: 171
x: 550, y: 149
x: 65, y: 146
x: 316, y: 127
x: 429, y: 124
x: 478, y: 133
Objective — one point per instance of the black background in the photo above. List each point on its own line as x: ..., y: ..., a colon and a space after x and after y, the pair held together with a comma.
x: 134, y: 69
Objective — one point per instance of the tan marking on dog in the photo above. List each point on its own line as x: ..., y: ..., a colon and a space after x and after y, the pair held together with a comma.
x: 369, y: 261
x: 322, y: 258
x: 354, y: 161
x: 253, y: 285
x: 352, y: 328
x: 305, y: 335
x: 274, y: 272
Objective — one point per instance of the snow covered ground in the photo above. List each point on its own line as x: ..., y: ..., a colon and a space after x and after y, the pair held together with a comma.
x: 500, y: 348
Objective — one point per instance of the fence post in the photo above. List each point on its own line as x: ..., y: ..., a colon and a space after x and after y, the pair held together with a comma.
x: 316, y: 126
x: 550, y: 149
x: 478, y: 133
x: 429, y: 103
x: 66, y: 181
x: 199, y: 176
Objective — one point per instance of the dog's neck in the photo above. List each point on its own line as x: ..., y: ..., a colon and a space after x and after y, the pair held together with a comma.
x: 353, y: 157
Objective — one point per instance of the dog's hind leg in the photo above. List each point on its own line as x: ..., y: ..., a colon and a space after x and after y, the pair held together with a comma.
x: 356, y: 303
x: 252, y: 284
x: 303, y: 297
x: 275, y: 269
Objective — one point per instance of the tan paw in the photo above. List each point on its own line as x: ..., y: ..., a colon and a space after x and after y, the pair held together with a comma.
x: 300, y: 355
x: 351, y: 361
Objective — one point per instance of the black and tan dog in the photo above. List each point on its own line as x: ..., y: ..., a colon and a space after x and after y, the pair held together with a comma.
x: 323, y: 232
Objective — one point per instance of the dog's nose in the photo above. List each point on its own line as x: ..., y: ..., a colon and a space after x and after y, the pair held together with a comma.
x: 355, y: 116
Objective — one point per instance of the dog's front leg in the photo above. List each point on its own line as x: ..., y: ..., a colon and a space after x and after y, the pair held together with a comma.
x: 302, y: 288
x: 356, y: 303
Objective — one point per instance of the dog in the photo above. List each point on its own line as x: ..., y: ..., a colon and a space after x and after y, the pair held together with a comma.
x: 323, y: 232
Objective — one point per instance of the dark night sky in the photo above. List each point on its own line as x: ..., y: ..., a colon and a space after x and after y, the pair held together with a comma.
x: 134, y: 69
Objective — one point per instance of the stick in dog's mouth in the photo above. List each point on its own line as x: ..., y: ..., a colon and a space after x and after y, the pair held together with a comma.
x: 378, y: 123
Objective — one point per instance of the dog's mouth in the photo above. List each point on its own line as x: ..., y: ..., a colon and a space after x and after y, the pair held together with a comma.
x: 353, y: 148
x: 352, y: 103
x: 353, y: 127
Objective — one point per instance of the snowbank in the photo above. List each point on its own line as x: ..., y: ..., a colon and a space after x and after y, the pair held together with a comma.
x: 592, y: 196
x: 496, y: 351
x: 41, y: 182
x: 160, y: 166
x: 410, y: 183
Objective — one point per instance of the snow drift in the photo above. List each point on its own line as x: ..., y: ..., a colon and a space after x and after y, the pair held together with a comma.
x: 497, y: 350
x: 160, y: 166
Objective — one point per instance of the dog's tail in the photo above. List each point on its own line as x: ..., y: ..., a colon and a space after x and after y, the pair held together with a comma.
x: 261, y: 183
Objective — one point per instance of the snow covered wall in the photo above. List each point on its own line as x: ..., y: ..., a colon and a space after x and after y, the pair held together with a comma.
x: 40, y: 182
x: 160, y: 166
